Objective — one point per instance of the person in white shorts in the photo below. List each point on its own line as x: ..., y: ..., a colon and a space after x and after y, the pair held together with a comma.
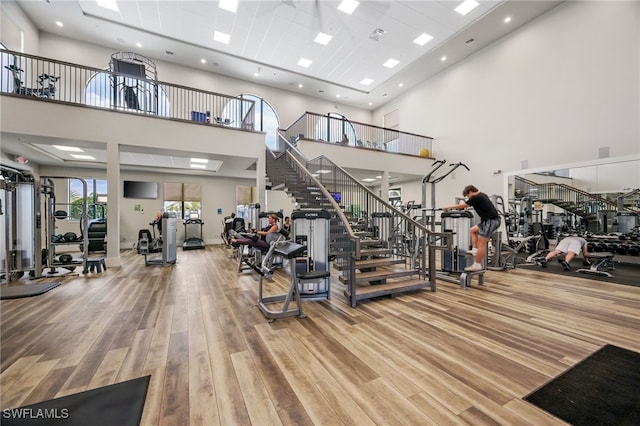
x: 570, y: 247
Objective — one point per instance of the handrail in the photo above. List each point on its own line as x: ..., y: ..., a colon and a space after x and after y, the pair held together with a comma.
x: 45, y: 79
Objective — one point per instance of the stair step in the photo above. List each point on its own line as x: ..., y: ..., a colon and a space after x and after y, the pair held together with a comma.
x: 371, y: 263
x: 387, y: 289
x: 378, y: 275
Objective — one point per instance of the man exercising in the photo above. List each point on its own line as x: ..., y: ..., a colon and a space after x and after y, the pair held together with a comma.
x: 570, y: 247
x: 480, y: 233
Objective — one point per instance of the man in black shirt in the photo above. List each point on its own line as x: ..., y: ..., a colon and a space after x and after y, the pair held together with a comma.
x: 480, y: 233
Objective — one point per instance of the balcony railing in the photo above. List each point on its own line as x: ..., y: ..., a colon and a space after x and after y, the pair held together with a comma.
x: 51, y: 80
x: 335, y: 129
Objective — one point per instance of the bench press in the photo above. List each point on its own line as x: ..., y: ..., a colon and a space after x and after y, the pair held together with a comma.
x: 598, y: 259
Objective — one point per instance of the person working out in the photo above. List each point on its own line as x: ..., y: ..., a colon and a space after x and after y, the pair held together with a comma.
x: 570, y: 247
x: 287, y: 224
x: 261, y: 241
x: 480, y: 233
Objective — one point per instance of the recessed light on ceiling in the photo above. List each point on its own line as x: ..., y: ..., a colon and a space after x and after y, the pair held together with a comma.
x: 391, y: 63
x: 466, y: 6
x: 198, y: 166
x: 323, y: 38
x: 83, y: 157
x: 366, y: 81
x: 444, y: 58
x: 304, y: 62
x: 200, y: 160
x: 108, y: 4
x: 507, y: 19
x: 368, y: 180
x: 221, y: 37
x: 401, y: 85
x: 203, y: 61
x: 68, y: 148
x: 348, y: 6
x: 230, y: 5
x: 300, y: 86
x: 337, y: 95
x: 370, y: 103
x: 423, y: 39
x: 60, y: 24
x: 138, y: 45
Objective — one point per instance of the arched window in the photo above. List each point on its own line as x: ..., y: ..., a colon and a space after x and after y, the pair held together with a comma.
x: 333, y: 127
x: 265, y: 119
x: 105, y: 90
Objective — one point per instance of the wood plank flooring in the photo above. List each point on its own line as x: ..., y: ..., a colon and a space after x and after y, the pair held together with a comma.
x: 459, y: 357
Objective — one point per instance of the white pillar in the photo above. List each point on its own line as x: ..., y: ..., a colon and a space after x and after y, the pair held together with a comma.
x: 384, y: 186
x: 113, y: 199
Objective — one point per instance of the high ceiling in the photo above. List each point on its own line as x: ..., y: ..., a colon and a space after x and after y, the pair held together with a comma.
x: 268, y: 38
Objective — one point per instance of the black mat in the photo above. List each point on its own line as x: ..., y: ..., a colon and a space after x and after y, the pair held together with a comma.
x: 25, y: 290
x: 603, y: 389
x: 119, y: 404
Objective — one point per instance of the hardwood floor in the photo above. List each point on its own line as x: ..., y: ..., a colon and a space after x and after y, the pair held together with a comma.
x: 450, y: 357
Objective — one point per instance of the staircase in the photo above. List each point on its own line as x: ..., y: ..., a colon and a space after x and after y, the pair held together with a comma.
x: 376, y: 249
x: 580, y: 203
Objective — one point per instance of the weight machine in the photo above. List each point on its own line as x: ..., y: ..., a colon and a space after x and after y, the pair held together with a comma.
x: 159, y: 250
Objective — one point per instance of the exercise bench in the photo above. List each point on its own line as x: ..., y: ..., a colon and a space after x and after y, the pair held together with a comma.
x: 604, y: 259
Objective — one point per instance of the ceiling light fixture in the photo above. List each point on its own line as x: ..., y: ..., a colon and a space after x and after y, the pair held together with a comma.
x: 401, y: 85
x: 304, y: 62
x: 444, y: 58
x: 68, y: 148
x: 203, y: 61
x: 423, y: 39
x: 391, y: 63
x: 300, y: 86
x: 348, y: 6
x: 323, y: 38
x: 138, y: 45
x: 60, y: 24
x: 257, y: 73
x: 230, y: 5
x: 366, y: 81
x: 368, y: 180
x: 466, y: 6
x: 377, y: 34
x: 197, y: 166
x: 83, y: 157
x: 108, y: 4
x: 221, y: 37
x: 200, y: 160
x: 507, y: 19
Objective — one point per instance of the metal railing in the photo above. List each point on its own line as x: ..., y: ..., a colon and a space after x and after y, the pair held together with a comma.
x: 320, y: 183
x: 331, y: 128
x: 51, y: 80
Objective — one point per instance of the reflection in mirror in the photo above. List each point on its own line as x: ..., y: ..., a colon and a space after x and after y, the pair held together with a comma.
x: 601, y: 198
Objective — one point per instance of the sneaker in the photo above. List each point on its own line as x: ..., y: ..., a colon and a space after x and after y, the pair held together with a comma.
x: 473, y: 268
x: 565, y: 265
x: 473, y: 251
x: 543, y: 263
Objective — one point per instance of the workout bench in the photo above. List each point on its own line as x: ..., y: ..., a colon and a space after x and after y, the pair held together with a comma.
x: 597, y: 260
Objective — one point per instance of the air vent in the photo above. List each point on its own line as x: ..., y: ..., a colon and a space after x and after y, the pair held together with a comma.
x: 168, y: 52
x: 471, y: 40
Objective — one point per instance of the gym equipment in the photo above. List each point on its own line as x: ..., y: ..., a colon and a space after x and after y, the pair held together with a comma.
x: 458, y: 223
x: 160, y: 250
x: 597, y: 260
x: 193, y: 242
x: 20, y: 241
x: 310, y: 228
x: 41, y: 92
x: 288, y: 250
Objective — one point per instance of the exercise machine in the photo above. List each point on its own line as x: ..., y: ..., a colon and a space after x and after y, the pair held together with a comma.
x: 310, y: 228
x: 160, y: 250
x: 193, y: 242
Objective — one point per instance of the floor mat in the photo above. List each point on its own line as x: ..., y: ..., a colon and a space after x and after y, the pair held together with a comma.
x: 118, y: 404
x: 25, y: 290
x: 603, y: 389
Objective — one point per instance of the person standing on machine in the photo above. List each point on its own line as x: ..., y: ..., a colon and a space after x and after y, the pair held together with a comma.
x: 480, y: 233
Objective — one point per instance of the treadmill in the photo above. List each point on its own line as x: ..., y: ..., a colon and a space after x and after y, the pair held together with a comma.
x: 193, y: 241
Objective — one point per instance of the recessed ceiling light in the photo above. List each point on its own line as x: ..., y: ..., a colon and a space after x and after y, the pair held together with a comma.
x: 370, y: 103
x: 323, y: 38
x: 198, y: 166
x: 444, y: 58
x: 200, y: 160
x: 391, y: 63
x: 68, y: 148
x: 401, y: 85
x: 348, y: 6
x: 366, y: 81
x: 221, y: 37
x: 368, y: 180
x: 337, y: 95
x: 300, y: 86
x: 203, y: 61
x: 466, y: 6
x: 230, y: 5
x: 507, y: 19
x: 83, y: 157
x: 423, y: 39
x: 304, y: 62
x: 60, y: 24
x: 138, y: 45
x: 109, y: 4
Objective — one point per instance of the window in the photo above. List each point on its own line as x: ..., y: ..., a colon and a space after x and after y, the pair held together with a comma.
x: 96, y: 192
x: 184, y: 199
x: 265, y: 120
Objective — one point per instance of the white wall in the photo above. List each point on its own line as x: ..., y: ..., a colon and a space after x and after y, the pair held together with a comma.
x: 555, y: 91
x: 17, y: 32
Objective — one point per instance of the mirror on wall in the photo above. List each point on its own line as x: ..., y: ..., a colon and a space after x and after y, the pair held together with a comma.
x: 600, y: 198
